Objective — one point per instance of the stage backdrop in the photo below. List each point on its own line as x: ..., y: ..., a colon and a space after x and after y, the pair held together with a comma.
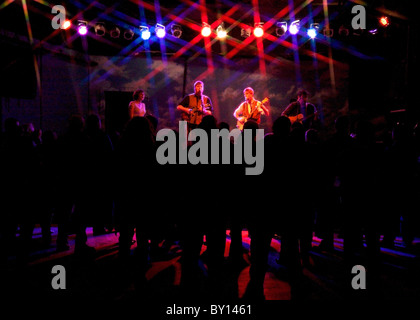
x: 76, y: 85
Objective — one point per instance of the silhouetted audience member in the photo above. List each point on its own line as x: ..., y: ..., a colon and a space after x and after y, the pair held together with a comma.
x: 235, y: 220
x: 20, y: 159
x: 360, y: 172
x: 72, y: 147
x: 258, y: 222
x: 136, y: 192
x: 203, y: 219
x: 313, y: 174
x: 96, y: 204
x: 11, y: 152
x: 48, y: 180
x: 402, y: 187
x: 328, y: 214
x: 276, y: 173
x: 291, y: 169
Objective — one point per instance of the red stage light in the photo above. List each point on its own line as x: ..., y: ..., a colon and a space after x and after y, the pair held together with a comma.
x: 384, y: 21
x: 66, y: 24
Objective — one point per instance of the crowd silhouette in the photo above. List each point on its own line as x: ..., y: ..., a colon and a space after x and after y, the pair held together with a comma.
x: 353, y: 183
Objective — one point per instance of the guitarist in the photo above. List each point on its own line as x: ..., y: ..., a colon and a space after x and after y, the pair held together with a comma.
x: 250, y: 109
x: 301, y: 110
x: 195, y: 105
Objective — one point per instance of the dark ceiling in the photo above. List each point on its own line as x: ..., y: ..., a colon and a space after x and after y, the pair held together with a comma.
x: 189, y: 14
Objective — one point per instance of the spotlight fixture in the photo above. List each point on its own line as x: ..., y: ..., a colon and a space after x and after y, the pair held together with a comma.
x: 313, y: 30
x: 100, y: 29
x: 160, y: 31
x: 206, y: 30
x: 128, y: 34
x: 281, y: 28
x: 294, y: 27
x: 66, y: 24
x: 246, y: 32
x: 115, y: 32
x: 328, y: 32
x: 384, y: 21
x: 82, y: 27
x: 343, y: 31
x: 221, y: 31
x: 258, y: 30
x: 144, y: 32
x: 176, y: 30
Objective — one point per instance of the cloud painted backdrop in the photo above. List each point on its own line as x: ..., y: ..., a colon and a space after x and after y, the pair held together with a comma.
x: 69, y: 86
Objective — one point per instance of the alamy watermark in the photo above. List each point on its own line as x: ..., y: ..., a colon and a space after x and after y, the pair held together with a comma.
x: 59, y: 280
x: 359, y: 280
x: 359, y: 20
x: 58, y: 20
x: 198, y: 153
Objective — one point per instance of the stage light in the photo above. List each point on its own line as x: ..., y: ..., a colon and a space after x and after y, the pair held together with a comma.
x: 258, y: 30
x: 128, y: 34
x: 343, y: 31
x: 206, y: 30
x: 100, y: 29
x: 176, y: 31
x: 160, y: 31
x: 328, y: 32
x: 221, y: 32
x: 281, y: 28
x: 294, y: 27
x: 311, y: 33
x: 82, y: 27
x: 384, y: 21
x: 373, y: 31
x: 313, y: 30
x: 246, y: 32
x: 115, y: 32
x: 66, y: 24
x: 144, y: 32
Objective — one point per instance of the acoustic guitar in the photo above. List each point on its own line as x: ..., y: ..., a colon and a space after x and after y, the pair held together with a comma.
x: 241, y: 120
x: 186, y: 116
x: 298, y: 118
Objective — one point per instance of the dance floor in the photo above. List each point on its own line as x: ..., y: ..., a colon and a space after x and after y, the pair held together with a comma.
x: 100, y: 278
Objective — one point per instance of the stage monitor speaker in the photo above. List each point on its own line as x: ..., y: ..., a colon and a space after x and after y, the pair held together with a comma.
x: 368, y: 85
x: 17, y: 69
x: 116, y: 110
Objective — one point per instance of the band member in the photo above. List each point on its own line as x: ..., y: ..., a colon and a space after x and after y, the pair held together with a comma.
x: 250, y: 109
x: 195, y: 105
x: 137, y: 108
x: 301, y: 110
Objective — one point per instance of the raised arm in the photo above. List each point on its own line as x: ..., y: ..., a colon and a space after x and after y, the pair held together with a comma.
x: 238, y: 112
x: 208, y: 106
x: 286, y: 112
x: 264, y: 108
